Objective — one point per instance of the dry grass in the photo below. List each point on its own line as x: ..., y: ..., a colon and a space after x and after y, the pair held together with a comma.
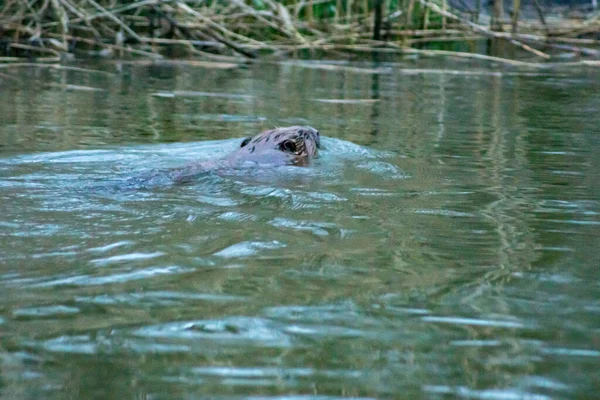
x: 226, y: 31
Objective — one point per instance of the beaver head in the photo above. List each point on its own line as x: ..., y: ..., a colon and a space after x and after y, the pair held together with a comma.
x: 298, y: 142
x: 282, y: 146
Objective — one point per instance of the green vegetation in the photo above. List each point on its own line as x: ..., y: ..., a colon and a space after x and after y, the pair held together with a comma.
x: 239, y: 29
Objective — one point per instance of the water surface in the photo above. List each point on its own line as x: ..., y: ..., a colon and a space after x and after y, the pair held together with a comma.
x: 443, y: 245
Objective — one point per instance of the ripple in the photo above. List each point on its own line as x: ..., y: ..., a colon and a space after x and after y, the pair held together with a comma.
x: 489, y: 394
x: 223, y: 117
x: 245, y: 249
x: 474, y: 322
x: 87, y: 280
x: 81, y: 344
x: 561, y: 351
x: 307, y: 397
x: 383, y: 168
x: 326, y: 331
x: 154, y: 348
x: 47, y: 311
x: 237, y: 216
x: 374, y: 192
x: 326, y: 321
x: 252, y: 372
x: 574, y: 222
x: 445, y: 213
x: 233, y: 330
x: 71, y: 156
x: 349, y: 150
x: 110, y: 246
x: 159, y: 297
x: 218, y: 201
x: 476, y: 343
x: 54, y: 254
x: 544, y: 382
x: 127, y: 257
x: 273, y: 376
x: 465, y: 242
x: 328, y: 197
x: 317, y: 228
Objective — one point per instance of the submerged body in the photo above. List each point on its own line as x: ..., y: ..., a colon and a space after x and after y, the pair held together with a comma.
x: 293, y: 145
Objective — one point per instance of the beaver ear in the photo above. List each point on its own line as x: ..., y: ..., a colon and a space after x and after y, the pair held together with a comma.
x: 246, y: 141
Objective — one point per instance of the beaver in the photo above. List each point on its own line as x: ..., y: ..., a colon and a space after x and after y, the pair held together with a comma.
x: 293, y: 145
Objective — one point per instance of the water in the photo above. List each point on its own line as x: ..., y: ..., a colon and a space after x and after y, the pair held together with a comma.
x: 443, y: 245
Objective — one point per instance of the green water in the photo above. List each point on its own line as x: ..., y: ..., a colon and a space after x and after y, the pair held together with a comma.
x: 443, y: 245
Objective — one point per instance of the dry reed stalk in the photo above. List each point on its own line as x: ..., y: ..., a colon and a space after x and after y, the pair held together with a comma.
x: 54, y: 66
x: 63, y: 20
x: 309, y: 12
x: 287, y: 21
x: 231, y: 26
x: 497, y: 13
x: 240, y: 16
x: 116, y: 20
x: 583, y: 50
x: 349, y: 5
x: 582, y: 63
x: 426, y: 18
x: 34, y: 48
x: 473, y: 55
x: 446, y: 39
x: 111, y: 46
x: 6, y: 7
x: 425, y: 32
x: 477, y: 10
x: 445, y: 8
x: 184, y: 7
x: 435, y: 8
x: 204, y: 43
x: 310, y: 3
x: 252, y: 12
x: 409, y: 11
x: 404, y: 50
x: 119, y: 10
x: 18, y: 21
x: 574, y: 40
x: 82, y: 17
x: 217, y: 57
x: 515, y: 16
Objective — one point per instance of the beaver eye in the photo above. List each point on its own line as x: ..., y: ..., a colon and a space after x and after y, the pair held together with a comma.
x: 246, y: 141
x: 289, y: 145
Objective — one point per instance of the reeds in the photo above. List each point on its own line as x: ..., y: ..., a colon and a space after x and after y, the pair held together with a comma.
x: 52, y: 30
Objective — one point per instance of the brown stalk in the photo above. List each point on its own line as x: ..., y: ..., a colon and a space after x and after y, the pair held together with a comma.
x: 116, y: 20
x: 482, y: 29
x: 215, y: 35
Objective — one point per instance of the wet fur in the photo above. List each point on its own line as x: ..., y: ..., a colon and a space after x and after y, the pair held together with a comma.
x: 292, y: 145
x: 306, y: 141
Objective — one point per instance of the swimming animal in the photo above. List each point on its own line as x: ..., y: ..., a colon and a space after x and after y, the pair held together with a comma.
x: 293, y: 145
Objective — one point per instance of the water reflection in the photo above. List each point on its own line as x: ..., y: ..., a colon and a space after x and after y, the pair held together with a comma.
x: 444, y: 244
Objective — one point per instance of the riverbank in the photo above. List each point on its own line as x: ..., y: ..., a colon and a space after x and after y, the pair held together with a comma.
x: 238, y: 31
